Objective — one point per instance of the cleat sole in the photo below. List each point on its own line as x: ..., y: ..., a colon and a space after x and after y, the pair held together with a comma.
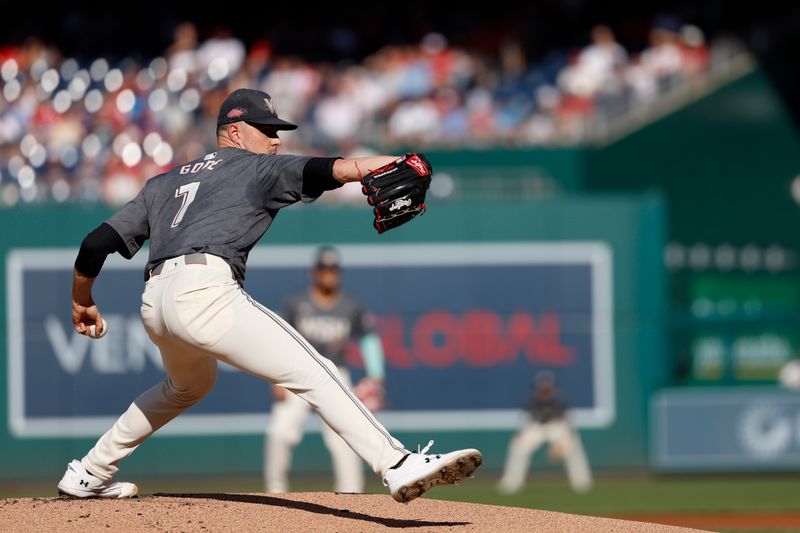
x: 450, y: 474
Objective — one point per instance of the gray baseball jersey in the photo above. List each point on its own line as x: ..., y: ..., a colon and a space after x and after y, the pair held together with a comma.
x: 545, y: 408
x: 221, y: 204
x: 328, y: 330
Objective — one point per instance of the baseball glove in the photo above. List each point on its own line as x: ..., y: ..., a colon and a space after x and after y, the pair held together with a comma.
x: 397, y: 190
x: 371, y: 393
x: 557, y: 451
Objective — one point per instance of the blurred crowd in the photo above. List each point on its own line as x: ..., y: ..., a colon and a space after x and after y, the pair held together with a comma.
x: 94, y: 130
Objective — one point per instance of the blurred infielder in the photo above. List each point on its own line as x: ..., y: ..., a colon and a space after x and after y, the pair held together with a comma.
x: 327, y: 318
x: 548, y: 423
x: 202, y: 219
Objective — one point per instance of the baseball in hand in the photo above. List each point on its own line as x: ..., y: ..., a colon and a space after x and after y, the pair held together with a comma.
x: 92, y: 329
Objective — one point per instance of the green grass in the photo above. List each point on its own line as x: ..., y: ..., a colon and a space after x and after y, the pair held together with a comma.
x: 622, y: 495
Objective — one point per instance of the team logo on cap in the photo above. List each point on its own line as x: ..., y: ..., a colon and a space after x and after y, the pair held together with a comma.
x: 270, y: 105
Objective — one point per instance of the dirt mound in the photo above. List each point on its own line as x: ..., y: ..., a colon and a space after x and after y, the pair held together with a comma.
x: 301, y: 512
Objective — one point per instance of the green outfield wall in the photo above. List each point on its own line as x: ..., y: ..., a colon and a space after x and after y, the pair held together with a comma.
x: 631, y: 226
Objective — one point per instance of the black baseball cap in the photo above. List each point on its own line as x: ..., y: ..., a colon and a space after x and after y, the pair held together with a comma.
x: 251, y: 105
x: 327, y: 257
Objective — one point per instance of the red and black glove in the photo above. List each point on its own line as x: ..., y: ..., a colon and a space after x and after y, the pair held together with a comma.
x: 397, y: 190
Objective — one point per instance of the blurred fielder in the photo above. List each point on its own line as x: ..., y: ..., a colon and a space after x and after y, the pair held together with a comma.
x: 548, y: 423
x: 202, y: 219
x: 328, y: 318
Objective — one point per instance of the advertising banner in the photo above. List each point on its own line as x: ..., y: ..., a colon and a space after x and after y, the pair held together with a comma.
x: 725, y: 429
x: 465, y: 327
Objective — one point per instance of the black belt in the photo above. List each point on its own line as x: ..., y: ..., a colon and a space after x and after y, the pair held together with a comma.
x: 188, y: 259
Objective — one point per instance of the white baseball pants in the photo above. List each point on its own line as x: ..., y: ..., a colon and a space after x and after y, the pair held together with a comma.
x: 285, y: 431
x: 525, y: 443
x: 198, y: 314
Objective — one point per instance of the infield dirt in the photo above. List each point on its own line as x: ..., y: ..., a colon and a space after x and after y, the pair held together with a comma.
x: 296, y: 512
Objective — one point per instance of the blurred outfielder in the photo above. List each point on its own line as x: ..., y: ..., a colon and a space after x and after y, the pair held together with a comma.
x: 548, y: 423
x: 328, y: 318
x: 202, y: 219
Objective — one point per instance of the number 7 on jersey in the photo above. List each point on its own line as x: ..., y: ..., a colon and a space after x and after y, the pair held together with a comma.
x: 187, y: 193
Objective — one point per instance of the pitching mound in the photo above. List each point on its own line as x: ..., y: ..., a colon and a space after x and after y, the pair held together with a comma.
x: 301, y: 512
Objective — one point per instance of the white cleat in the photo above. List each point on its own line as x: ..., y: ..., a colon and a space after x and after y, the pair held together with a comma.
x: 419, y: 472
x: 79, y: 483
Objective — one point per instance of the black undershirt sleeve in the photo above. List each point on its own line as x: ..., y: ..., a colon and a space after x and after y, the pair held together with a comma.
x: 95, y: 248
x: 318, y: 176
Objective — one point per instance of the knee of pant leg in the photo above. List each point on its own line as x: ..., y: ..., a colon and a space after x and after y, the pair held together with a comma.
x: 189, y: 395
x: 209, y: 384
x: 202, y: 387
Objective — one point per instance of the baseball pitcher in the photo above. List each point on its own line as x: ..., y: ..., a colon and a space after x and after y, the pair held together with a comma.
x: 202, y: 218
